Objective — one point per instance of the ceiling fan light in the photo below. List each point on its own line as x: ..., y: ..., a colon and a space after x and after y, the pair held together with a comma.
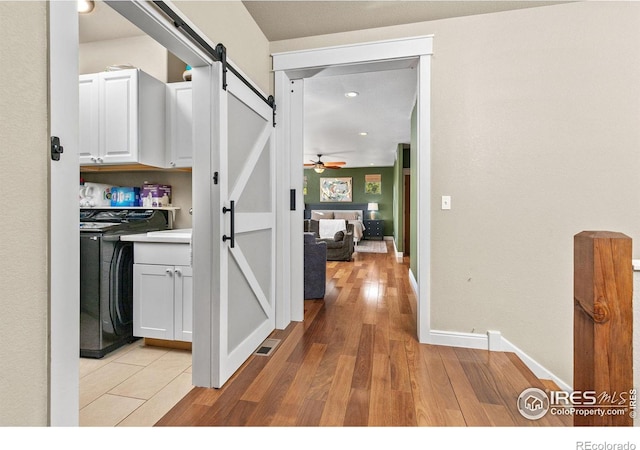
x: 85, y: 6
x: 318, y: 168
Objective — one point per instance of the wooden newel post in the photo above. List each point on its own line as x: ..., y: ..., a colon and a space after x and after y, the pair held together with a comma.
x: 603, y: 326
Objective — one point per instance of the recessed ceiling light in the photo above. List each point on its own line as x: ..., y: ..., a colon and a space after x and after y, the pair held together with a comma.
x: 363, y: 133
x: 351, y: 94
x: 85, y: 6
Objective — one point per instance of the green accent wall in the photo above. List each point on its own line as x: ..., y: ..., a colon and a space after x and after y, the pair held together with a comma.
x: 384, y: 199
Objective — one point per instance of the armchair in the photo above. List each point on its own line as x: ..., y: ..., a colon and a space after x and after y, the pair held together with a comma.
x: 340, y: 250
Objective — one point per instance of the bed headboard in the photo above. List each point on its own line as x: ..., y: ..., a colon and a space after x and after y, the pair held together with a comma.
x: 348, y: 207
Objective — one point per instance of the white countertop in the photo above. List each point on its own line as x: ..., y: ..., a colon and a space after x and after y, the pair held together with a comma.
x: 179, y: 236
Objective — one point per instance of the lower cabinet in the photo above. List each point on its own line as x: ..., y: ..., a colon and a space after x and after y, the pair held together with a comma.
x: 163, y: 301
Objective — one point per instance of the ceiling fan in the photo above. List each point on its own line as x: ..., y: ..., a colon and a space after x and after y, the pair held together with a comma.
x: 319, y: 166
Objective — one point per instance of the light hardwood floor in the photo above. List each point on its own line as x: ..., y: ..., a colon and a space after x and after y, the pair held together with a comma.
x: 355, y: 361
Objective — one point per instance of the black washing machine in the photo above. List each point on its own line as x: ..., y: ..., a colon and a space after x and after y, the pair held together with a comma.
x: 106, y: 275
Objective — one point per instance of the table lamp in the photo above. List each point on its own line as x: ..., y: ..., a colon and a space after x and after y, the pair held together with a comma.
x: 373, y: 207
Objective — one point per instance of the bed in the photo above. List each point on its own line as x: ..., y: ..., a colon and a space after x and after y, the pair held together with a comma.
x: 332, y: 220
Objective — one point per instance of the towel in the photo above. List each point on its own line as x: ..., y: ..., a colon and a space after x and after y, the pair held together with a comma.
x: 329, y: 227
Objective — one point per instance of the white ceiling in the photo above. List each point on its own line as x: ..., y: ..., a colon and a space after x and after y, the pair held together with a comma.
x: 104, y: 23
x: 332, y: 121
x: 292, y: 19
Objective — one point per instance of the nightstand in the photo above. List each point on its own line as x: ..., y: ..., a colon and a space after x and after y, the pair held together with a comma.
x: 374, y: 228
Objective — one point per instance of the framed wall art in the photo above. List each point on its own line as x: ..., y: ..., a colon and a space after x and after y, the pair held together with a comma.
x: 373, y: 184
x: 336, y: 189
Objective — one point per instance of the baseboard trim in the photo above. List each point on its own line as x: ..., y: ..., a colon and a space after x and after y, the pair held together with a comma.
x: 395, y: 249
x: 458, y: 339
x: 414, y: 283
x: 492, y: 341
x: 181, y: 345
x: 495, y: 342
x: 538, y: 369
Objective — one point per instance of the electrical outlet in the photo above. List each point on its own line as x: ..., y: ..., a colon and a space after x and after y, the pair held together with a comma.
x: 446, y: 202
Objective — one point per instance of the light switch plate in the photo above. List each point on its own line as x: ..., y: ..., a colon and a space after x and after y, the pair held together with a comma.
x: 446, y: 202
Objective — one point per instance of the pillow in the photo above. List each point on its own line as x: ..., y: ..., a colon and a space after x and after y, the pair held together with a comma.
x: 345, y: 215
x: 339, y: 236
x: 319, y: 215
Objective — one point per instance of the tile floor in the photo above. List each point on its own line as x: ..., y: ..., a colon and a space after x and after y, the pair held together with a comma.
x: 133, y: 386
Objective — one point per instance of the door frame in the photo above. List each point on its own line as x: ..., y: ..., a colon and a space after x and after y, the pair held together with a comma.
x: 64, y: 234
x: 290, y: 70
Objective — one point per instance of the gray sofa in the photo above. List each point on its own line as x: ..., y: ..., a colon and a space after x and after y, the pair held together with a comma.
x: 315, y: 267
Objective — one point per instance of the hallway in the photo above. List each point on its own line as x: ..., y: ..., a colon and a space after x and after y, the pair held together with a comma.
x: 355, y: 361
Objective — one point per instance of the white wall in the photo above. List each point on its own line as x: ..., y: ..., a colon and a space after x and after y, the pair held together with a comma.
x: 229, y: 23
x: 23, y: 195
x: 535, y: 136
x: 141, y: 51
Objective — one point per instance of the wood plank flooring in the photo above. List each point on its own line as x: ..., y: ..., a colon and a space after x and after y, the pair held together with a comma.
x: 356, y: 361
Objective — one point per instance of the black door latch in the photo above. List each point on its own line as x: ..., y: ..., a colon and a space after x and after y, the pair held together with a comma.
x: 56, y: 148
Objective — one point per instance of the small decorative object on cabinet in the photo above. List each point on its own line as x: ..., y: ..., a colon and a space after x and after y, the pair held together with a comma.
x: 373, y: 229
x: 186, y: 75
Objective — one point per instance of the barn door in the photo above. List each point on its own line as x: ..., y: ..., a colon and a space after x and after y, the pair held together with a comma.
x: 247, y: 223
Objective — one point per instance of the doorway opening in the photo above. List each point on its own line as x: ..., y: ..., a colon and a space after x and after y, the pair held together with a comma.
x: 406, y: 213
x: 360, y: 117
x: 291, y: 71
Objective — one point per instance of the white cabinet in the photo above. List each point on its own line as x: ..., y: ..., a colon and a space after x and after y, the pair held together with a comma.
x: 162, y: 291
x: 179, y: 125
x: 89, y: 142
x: 122, y: 118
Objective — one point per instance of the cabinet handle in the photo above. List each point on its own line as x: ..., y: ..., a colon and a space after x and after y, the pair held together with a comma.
x: 178, y: 272
x: 94, y: 159
x: 99, y: 159
x: 169, y: 272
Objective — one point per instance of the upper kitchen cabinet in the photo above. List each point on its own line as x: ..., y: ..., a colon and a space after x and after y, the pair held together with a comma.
x: 179, y: 125
x: 122, y: 118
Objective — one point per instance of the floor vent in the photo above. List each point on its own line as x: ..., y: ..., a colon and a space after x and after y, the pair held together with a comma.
x: 267, y: 347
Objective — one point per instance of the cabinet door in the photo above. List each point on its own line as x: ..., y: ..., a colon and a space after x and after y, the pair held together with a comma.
x: 119, y: 116
x: 183, y: 303
x: 179, y: 125
x: 153, y: 296
x: 89, y: 142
